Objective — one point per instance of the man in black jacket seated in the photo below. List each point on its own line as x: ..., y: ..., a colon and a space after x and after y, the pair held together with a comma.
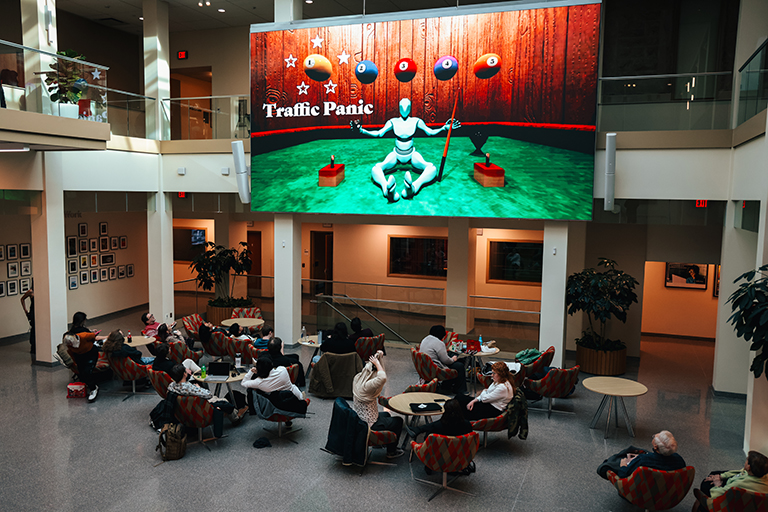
x: 663, y: 457
x: 275, y: 350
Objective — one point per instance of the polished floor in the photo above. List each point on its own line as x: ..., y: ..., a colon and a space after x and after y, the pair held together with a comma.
x: 65, y: 454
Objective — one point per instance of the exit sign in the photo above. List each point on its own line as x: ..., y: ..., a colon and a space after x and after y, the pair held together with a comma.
x: 182, y: 55
x: 701, y: 203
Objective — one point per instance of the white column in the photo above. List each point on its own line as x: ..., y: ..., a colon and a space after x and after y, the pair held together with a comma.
x: 160, y: 255
x: 577, y: 245
x: 36, y: 33
x: 287, y: 11
x: 457, y: 285
x: 554, y: 274
x: 157, y: 71
x: 287, y: 278
x: 50, y: 264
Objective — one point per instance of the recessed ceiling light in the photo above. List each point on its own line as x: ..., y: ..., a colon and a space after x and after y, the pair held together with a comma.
x: 199, y: 4
x: 207, y: 3
x: 308, y: 1
x: 222, y: 10
x: 141, y: 18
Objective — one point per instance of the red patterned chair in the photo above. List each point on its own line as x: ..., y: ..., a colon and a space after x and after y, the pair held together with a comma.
x: 217, y: 346
x: 235, y: 346
x: 125, y: 368
x: 446, y: 454
x: 497, y: 424
x: 517, y: 378
x: 428, y: 370
x: 293, y: 373
x: 738, y: 500
x: 450, y: 337
x: 160, y: 381
x: 652, y: 489
x: 195, y: 412
x: 429, y: 387
x: 192, y: 325
x: 253, y: 353
x: 247, y: 313
x: 556, y: 383
x: 544, y: 360
x: 366, y: 347
x: 179, y: 351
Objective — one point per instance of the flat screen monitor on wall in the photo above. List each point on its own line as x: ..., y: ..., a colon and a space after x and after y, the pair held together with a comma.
x: 356, y: 118
x: 188, y: 243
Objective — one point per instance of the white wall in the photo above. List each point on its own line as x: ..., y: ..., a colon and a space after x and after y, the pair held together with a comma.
x: 15, y: 230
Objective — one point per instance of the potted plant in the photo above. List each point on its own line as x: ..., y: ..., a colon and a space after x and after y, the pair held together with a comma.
x: 602, y: 296
x: 749, y: 304
x: 213, y: 267
x: 66, y: 83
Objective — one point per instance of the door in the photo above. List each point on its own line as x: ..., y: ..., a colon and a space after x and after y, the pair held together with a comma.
x: 254, y: 245
x: 321, y: 256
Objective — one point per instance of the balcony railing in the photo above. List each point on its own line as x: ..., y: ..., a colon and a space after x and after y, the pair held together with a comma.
x: 208, y: 117
x: 753, y: 92
x: 127, y: 112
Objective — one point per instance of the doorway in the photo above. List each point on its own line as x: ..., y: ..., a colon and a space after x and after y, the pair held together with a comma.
x: 321, y: 256
x: 254, y: 283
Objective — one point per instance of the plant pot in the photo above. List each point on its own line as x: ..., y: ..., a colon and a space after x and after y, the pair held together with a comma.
x: 600, y: 362
x: 70, y: 110
x: 216, y: 315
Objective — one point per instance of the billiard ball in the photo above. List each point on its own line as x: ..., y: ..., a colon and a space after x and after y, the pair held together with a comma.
x: 446, y: 67
x: 487, y: 65
x: 367, y: 72
x: 317, y: 67
x: 405, y: 70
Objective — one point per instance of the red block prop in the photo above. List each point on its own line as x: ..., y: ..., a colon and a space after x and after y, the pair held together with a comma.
x: 489, y: 175
x: 331, y: 175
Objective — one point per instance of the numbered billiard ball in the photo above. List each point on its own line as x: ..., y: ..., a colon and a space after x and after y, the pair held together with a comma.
x: 367, y: 72
x: 317, y: 67
x: 487, y: 65
x: 405, y: 70
x: 446, y: 67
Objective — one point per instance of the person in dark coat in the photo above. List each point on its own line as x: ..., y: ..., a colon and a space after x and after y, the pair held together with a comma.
x: 339, y: 343
x: 663, y: 457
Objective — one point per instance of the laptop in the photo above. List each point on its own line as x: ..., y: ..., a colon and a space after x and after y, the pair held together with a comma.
x: 218, y: 372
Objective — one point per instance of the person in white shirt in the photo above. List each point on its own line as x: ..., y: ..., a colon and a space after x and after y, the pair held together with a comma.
x: 434, y: 347
x: 269, y: 379
x: 492, y: 401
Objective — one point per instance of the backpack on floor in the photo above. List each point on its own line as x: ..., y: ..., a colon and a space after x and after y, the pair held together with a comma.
x: 173, y: 442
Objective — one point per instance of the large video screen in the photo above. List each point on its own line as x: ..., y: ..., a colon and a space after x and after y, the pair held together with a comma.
x: 472, y: 115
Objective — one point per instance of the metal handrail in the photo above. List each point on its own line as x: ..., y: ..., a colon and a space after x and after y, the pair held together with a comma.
x: 429, y: 304
x: 382, y: 322
x: 501, y: 298
x: 673, y: 75
x: 55, y: 55
x: 109, y: 89
x: 207, y: 97
x: 373, y: 284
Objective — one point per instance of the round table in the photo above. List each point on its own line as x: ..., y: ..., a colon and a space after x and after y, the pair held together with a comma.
x: 139, y: 341
x: 234, y: 376
x: 402, y: 404
x: 613, y: 388
x: 243, y: 322
x: 310, y: 341
x: 475, y: 359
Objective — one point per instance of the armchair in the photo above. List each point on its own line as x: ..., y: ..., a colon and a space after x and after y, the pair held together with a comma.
x: 556, y: 383
x: 652, y: 489
x: 446, y: 454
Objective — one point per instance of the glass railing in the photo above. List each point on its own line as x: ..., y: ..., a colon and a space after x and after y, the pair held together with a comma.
x: 127, y: 112
x: 47, y: 83
x: 694, y: 101
x: 208, y: 117
x: 753, y: 92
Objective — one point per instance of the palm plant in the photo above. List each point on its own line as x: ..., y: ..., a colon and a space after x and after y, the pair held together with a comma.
x: 66, y: 83
x: 213, y: 267
x: 749, y: 304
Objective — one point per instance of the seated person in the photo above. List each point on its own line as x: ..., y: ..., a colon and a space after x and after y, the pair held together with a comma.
x: 339, y: 342
x: 163, y: 364
x: 267, y: 333
x: 492, y: 401
x: 663, y: 457
x: 115, y: 346
x: 434, y: 347
x: 150, y: 325
x: 275, y: 383
x: 80, y: 345
x: 207, y: 329
x: 753, y: 478
x: 239, y: 333
x: 366, y: 388
x: 358, y: 331
x: 452, y: 422
x: 275, y: 351
x: 181, y: 386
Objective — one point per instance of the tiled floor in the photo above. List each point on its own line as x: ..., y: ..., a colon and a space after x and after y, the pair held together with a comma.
x: 62, y: 454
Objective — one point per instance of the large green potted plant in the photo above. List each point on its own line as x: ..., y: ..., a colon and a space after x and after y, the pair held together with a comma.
x: 749, y: 304
x: 213, y: 267
x: 602, y: 296
x: 66, y: 83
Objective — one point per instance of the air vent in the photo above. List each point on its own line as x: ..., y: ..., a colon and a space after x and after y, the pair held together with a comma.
x: 110, y: 22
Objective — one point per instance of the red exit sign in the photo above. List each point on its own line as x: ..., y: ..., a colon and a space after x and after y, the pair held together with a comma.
x: 701, y: 203
x: 182, y: 55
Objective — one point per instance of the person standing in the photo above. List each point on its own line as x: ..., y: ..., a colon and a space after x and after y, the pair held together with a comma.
x: 30, y: 294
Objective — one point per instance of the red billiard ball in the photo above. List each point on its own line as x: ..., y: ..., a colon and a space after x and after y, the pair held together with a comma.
x: 405, y: 70
x: 487, y: 65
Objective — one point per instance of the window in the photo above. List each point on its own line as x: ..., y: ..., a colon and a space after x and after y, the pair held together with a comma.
x: 424, y: 257
x: 515, y: 261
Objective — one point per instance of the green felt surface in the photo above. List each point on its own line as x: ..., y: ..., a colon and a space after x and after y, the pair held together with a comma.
x: 541, y: 182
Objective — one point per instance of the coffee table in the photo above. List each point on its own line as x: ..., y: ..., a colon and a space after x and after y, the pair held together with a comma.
x: 139, y: 341
x: 243, y: 322
x: 402, y: 404
x: 475, y: 359
x: 310, y: 341
x: 613, y: 388
x: 237, y: 377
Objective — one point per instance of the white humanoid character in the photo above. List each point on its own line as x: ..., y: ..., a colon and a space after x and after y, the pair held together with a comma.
x: 404, y: 128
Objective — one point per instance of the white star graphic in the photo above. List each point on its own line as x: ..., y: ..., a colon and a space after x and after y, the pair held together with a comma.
x: 290, y: 62
x: 343, y: 58
x: 303, y: 88
x: 96, y: 74
x: 317, y: 42
x: 330, y: 87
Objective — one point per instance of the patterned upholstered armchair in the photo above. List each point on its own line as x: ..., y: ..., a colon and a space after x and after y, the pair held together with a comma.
x: 126, y: 369
x: 179, y: 351
x: 195, y: 412
x: 366, y: 347
x: 429, y: 387
x: 652, y: 489
x: 253, y: 353
x: 160, y: 381
x: 446, y: 454
x: 738, y: 500
x: 293, y: 373
x: 217, y: 345
x: 556, y: 383
x: 428, y: 370
x: 235, y: 346
x: 192, y: 325
x: 544, y: 360
x: 248, y: 313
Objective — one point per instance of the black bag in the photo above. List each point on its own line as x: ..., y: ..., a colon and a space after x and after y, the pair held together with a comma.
x: 173, y: 442
x: 163, y: 412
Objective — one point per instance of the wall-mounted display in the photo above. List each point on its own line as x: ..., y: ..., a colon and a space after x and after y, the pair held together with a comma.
x: 514, y: 261
x: 2, y: 252
x: 716, y: 287
x: 2, y: 288
x: 129, y: 270
x: 121, y: 272
x: 83, y: 245
x: 103, y: 274
x: 94, y: 275
x: 25, y: 250
x: 94, y: 244
x: 83, y: 261
x: 71, y: 246
x: 71, y: 266
x: 686, y: 275
x: 112, y: 273
x: 72, y: 282
x: 123, y: 242
x: 418, y: 256
x: 115, y: 243
x: 94, y: 260
x: 12, y: 251
x: 13, y: 269
x: 84, y: 277
x: 26, y: 268
x: 103, y: 229
x: 12, y: 288
x: 107, y: 259
x: 24, y: 285
x: 82, y: 229
x: 104, y: 244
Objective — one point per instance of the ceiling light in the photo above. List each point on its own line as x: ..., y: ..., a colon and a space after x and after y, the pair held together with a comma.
x: 141, y: 18
x: 207, y: 3
x: 199, y: 4
x: 22, y: 149
x: 308, y: 1
x: 222, y: 10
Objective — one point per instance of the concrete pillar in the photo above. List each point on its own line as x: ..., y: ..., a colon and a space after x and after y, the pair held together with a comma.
x: 157, y: 70
x: 554, y: 274
x: 50, y: 267
x: 577, y: 244
x: 287, y: 11
x: 287, y: 278
x: 457, y: 285
x: 36, y: 33
x: 160, y: 255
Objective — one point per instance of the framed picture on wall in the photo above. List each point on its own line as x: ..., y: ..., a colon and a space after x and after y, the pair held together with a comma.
x: 82, y: 229
x: 84, y: 277
x: 83, y: 245
x: 26, y: 268
x: 121, y: 272
x: 103, y: 229
x: 107, y: 259
x: 103, y: 274
x: 686, y: 275
x: 129, y: 270
x: 123, y: 242
x: 2, y: 252
x: 24, y: 285
x: 94, y: 244
x: 716, y: 287
x: 71, y: 266
x: 83, y: 261
x: 25, y: 250
x: 13, y: 269
x: 94, y: 260
x: 115, y: 245
x: 2, y: 288
x: 94, y: 275
x: 104, y: 244
x: 12, y: 287
x: 12, y: 251
x: 73, y: 282
x: 112, y: 273
x: 71, y: 246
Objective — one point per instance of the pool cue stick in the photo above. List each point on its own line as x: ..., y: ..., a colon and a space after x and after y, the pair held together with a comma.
x: 448, y: 138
